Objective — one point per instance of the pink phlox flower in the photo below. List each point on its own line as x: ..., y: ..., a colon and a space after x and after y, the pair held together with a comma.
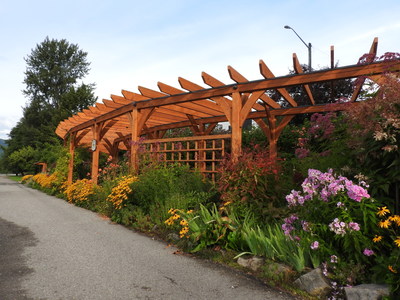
x: 354, y: 226
x: 334, y: 259
x: 338, y: 227
x: 287, y: 226
x: 314, y: 245
x: 335, y: 187
x: 325, y: 269
x: 305, y: 225
x: 324, y: 194
x: 294, y: 198
x: 313, y: 173
x: 368, y: 252
x: 356, y: 192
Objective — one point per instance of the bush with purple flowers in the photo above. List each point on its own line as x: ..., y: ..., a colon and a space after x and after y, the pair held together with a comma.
x: 337, y: 215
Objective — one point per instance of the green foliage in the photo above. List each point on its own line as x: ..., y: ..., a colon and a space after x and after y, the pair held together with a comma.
x: 207, y: 227
x: 23, y: 160
x: 158, y: 183
x: 51, y: 78
x: 254, y: 136
x: 271, y: 242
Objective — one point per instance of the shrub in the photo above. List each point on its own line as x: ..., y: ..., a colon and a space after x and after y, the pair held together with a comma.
x: 335, y: 212
x: 253, y: 182
x: 157, y: 184
x: 374, y: 125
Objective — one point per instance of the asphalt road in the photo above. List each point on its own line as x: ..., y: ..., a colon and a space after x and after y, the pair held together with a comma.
x: 50, y: 249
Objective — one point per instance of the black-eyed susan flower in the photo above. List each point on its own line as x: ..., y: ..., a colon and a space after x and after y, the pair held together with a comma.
x: 377, y: 238
x: 397, y: 241
x: 383, y: 211
x: 395, y: 219
x: 384, y: 224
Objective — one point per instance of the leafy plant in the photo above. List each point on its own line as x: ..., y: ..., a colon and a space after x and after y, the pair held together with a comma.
x: 253, y: 182
x: 271, y: 242
x: 209, y: 227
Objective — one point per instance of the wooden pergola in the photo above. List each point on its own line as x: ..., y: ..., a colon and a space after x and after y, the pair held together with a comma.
x: 120, y: 122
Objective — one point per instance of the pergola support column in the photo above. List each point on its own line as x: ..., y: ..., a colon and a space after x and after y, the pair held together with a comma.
x: 236, y: 126
x: 96, y: 129
x: 71, y: 158
x: 135, y: 135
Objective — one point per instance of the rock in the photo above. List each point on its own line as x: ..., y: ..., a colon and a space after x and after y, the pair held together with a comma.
x: 244, y: 262
x: 366, y: 291
x: 313, y: 283
x: 254, y: 263
x: 277, y: 270
x: 173, y: 237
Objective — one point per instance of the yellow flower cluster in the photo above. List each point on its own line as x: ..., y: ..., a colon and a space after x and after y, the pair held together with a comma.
x: 26, y: 178
x: 392, y: 224
x: 44, y: 180
x: 393, y: 219
x: 120, y: 193
x: 79, y: 191
x: 184, y: 232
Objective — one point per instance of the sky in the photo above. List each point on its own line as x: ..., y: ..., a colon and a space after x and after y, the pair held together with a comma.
x: 138, y: 43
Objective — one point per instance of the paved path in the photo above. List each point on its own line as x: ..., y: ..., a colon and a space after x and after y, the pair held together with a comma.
x: 50, y: 249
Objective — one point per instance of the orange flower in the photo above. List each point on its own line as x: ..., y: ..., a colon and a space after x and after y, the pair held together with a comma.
x: 391, y: 269
x: 377, y: 238
x: 384, y: 224
x: 383, y: 211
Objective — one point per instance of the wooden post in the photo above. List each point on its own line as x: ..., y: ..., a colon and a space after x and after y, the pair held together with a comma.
x: 273, y: 140
x: 236, y: 125
x: 71, y: 158
x: 96, y: 128
x: 135, y: 131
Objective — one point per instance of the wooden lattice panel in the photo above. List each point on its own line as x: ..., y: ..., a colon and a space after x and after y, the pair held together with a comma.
x: 201, y: 153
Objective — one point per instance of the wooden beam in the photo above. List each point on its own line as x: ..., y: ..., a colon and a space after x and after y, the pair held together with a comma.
x: 266, y: 72
x: 194, y: 125
x: 210, y: 128
x: 239, y: 78
x: 224, y: 103
x: 264, y: 128
x: 244, y: 112
x: 360, y: 81
x: 278, y: 82
x: 299, y: 70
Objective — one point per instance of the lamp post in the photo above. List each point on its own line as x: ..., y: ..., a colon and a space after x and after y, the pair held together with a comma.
x: 307, y: 45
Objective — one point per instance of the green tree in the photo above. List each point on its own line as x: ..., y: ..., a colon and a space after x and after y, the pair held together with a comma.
x: 23, y: 160
x: 55, y: 92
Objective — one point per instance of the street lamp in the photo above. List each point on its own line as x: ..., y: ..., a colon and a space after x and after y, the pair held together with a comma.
x: 308, y: 46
